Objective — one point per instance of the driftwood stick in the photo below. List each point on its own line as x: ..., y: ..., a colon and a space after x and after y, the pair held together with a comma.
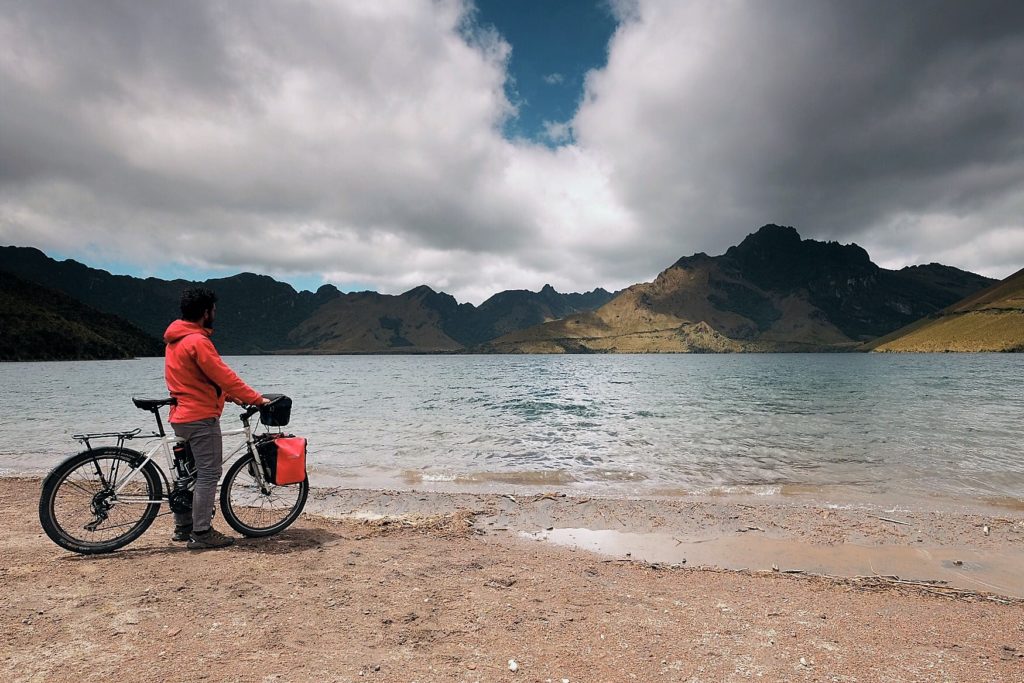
x: 894, y: 521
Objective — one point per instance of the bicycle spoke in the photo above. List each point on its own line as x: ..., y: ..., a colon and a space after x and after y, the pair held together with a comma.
x: 84, y: 491
x: 108, y: 527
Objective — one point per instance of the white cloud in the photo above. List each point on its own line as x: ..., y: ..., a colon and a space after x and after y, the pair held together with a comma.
x: 558, y: 132
x: 554, y: 79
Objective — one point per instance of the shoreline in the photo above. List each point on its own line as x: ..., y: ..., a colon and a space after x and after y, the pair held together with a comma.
x: 427, y: 593
x: 627, y: 485
x: 852, y: 347
x: 967, y: 545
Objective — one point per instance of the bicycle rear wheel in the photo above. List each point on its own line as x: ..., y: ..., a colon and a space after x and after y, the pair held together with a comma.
x: 252, y: 512
x: 79, y: 509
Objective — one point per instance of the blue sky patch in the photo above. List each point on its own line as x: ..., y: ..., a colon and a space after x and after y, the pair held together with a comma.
x: 554, y: 44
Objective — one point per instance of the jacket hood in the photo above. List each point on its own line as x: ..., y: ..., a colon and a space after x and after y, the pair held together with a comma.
x: 182, y: 328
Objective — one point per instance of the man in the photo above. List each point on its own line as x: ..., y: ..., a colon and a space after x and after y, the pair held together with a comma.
x: 201, y: 382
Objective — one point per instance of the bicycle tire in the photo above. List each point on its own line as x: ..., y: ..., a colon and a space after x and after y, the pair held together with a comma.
x: 58, y: 481
x: 230, y: 483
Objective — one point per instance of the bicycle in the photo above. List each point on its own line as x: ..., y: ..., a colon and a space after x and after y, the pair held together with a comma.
x: 87, y: 501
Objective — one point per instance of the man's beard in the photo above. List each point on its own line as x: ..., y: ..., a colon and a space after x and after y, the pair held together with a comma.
x: 208, y: 324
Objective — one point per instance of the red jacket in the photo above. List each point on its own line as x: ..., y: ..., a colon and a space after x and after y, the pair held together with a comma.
x: 196, y: 375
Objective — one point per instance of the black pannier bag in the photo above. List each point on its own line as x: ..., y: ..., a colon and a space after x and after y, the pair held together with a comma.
x: 278, y: 413
x: 284, y: 458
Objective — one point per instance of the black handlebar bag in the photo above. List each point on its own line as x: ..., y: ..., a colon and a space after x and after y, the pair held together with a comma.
x: 278, y: 413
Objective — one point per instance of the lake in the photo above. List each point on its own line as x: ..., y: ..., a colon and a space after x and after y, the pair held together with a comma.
x: 835, y: 426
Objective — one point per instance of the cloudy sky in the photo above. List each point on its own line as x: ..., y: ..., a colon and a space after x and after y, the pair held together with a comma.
x: 482, y: 146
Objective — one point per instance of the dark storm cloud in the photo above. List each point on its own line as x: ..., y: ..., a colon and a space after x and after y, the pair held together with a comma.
x: 840, y: 118
x: 917, y: 92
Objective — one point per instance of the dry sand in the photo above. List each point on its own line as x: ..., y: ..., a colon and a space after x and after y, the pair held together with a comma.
x: 415, y: 598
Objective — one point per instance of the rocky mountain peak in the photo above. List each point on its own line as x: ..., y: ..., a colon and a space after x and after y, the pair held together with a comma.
x: 775, y: 257
x: 692, y: 261
x: 419, y: 292
x: 771, y: 237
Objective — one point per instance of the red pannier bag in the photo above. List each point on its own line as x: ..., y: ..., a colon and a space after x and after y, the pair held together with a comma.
x: 284, y: 459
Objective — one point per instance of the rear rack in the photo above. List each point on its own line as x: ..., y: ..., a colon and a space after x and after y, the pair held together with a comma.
x: 120, y: 436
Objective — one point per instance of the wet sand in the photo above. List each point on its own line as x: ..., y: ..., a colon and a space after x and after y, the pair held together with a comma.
x: 982, y: 550
x: 412, y: 586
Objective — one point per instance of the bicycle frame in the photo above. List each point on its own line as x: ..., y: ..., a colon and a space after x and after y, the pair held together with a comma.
x: 166, y: 443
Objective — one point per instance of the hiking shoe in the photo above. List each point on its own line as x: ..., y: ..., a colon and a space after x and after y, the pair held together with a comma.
x: 181, y: 533
x: 209, y: 539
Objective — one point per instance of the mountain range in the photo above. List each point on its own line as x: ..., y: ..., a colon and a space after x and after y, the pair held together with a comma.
x: 257, y: 314
x: 422, y: 320
x: 772, y: 292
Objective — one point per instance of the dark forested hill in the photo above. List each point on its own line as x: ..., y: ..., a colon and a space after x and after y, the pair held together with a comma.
x: 255, y: 314
x: 37, y: 323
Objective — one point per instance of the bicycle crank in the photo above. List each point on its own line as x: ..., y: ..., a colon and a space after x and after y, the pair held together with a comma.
x: 180, y: 500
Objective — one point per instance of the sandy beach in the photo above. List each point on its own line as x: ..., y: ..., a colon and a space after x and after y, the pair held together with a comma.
x: 412, y: 586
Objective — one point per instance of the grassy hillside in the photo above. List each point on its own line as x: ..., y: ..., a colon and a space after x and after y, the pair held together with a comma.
x: 989, y: 320
x: 37, y: 323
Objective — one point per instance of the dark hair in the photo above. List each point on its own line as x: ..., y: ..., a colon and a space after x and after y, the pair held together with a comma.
x: 195, y: 301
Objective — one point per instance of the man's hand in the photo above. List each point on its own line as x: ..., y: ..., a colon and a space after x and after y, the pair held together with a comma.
x: 239, y: 402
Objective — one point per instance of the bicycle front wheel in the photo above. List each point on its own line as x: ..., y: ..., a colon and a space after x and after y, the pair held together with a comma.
x: 87, y: 507
x: 256, y: 511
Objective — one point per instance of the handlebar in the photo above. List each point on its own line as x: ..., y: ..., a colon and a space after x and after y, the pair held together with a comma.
x: 251, y: 410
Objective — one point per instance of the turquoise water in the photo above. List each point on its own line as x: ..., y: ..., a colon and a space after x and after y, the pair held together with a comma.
x: 921, y: 425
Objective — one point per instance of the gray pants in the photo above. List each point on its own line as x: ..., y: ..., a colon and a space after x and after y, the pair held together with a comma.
x: 205, y: 439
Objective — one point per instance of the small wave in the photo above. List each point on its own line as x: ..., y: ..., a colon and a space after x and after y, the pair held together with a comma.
x: 740, y: 490
x: 1007, y: 502
x: 615, y: 475
x: 525, y: 478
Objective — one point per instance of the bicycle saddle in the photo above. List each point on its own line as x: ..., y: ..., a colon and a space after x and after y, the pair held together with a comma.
x: 154, y: 403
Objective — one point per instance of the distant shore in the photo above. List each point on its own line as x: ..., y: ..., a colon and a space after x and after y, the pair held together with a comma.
x: 491, y: 352
x: 404, y: 586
